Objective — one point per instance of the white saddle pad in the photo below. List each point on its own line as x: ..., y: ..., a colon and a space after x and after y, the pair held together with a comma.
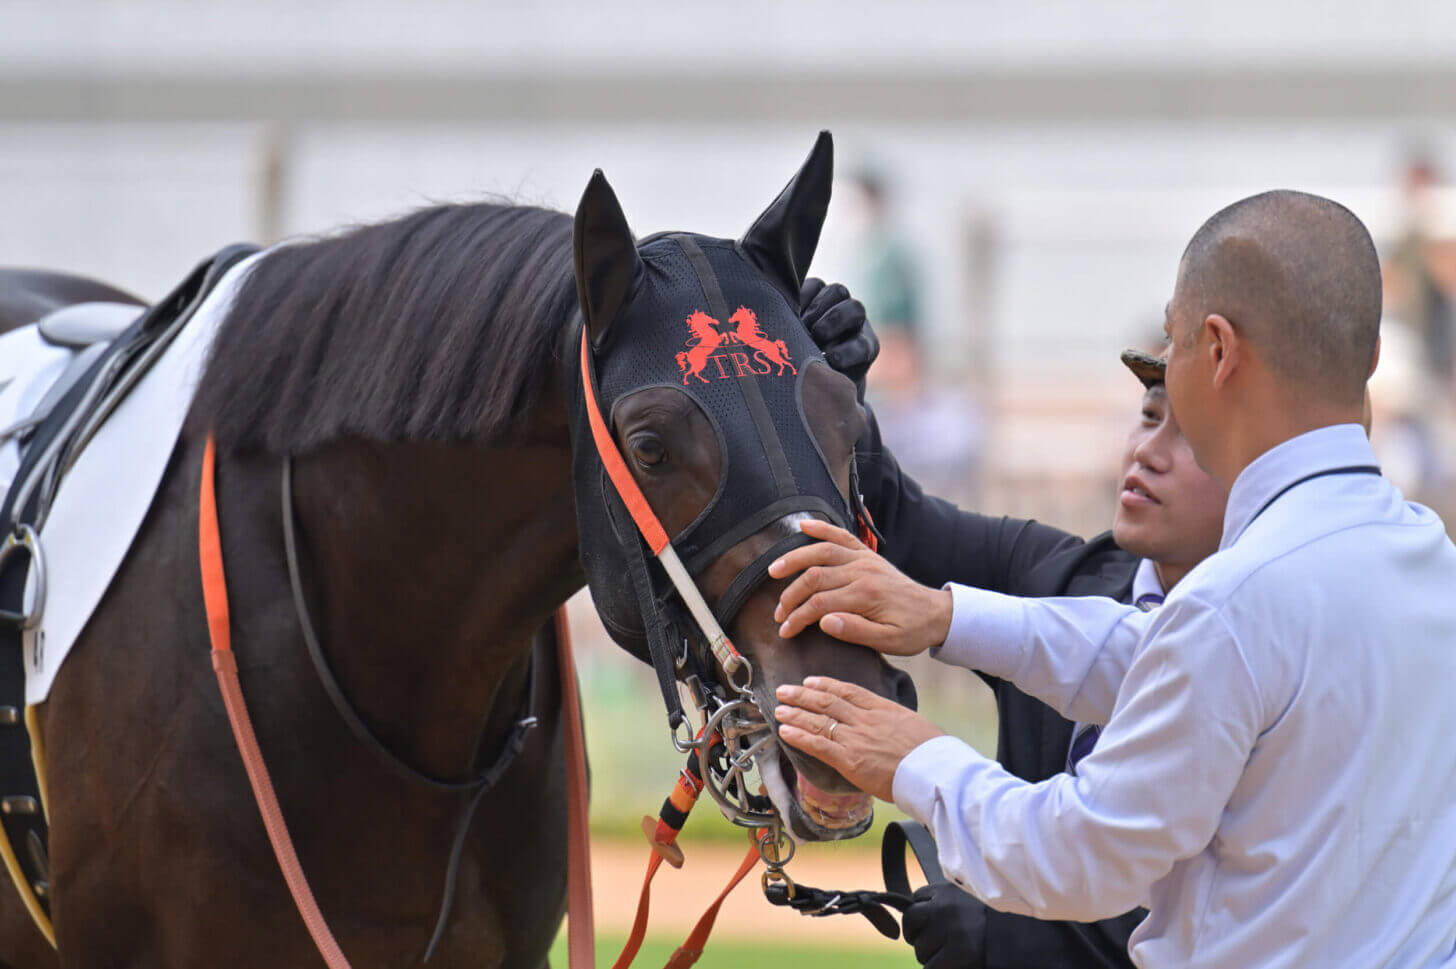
x: 105, y: 496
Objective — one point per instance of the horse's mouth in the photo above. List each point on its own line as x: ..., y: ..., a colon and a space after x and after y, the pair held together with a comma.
x: 809, y: 813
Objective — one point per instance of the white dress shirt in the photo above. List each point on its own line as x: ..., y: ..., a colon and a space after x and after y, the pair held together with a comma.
x: 1276, y: 781
x: 1147, y: 594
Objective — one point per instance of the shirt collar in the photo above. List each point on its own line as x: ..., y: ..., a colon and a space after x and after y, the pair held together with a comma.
x: 1322, y: 449
x: 1145, y: 581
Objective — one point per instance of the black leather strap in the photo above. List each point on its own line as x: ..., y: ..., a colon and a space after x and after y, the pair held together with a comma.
x: 819, y: 902
x: 659, y: 644
x: 477, y: 787
x: 21, y: 814
x: 874, y: 906
x: 482, y: 781
x: 746, y: 581
x: 898, y: 834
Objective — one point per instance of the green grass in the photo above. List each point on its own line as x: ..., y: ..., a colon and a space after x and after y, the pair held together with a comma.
x: 736, y: 954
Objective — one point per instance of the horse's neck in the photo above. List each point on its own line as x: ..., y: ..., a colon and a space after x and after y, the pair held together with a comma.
x: 428, y: 569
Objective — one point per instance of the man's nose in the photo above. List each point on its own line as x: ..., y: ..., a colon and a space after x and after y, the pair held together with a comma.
x: 1151, y: 454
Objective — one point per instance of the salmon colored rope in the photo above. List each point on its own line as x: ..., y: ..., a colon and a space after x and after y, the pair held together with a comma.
x: 579, y: 919
x: 214, y: 596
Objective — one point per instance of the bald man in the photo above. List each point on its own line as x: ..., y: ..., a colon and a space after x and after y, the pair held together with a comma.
x: 1276, y: 779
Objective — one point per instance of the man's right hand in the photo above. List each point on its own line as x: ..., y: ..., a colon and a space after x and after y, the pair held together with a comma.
x: 947, y: 927
x: 856, y: 595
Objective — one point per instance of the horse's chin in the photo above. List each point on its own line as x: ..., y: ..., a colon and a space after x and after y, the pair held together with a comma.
x: 811, y: 814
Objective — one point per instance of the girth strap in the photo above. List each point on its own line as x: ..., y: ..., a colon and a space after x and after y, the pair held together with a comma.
x: 23, y: 841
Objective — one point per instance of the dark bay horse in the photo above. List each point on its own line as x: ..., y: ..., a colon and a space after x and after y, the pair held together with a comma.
x: 418, y: 372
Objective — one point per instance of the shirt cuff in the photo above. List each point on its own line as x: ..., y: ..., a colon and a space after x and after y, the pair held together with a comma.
x: 921, y: 771
x: 987, y: 631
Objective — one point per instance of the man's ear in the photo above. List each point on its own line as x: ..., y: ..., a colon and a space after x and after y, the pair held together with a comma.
x: 1374, y: 360
x: 1224, y: 347
x: 607, y: 262
x: 781, y: 242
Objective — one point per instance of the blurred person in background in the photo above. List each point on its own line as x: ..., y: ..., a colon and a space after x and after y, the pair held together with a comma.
x: 1418, y: 271
x: 885, y: 273
x: 1167, y: 517
x: 936, y: 427
x: 1413, y: 391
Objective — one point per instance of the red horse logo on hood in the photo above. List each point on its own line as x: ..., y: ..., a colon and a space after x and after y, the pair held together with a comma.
x: 770, y: 352
x: 707, y: 344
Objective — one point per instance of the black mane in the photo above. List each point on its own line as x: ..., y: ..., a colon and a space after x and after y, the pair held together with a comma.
x: 445, y: 325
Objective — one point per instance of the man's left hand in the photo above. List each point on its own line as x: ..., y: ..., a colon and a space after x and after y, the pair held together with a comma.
x: 855, y: 595
x: 858, y: 733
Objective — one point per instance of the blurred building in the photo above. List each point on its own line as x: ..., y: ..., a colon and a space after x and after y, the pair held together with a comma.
x: 1049, y: 159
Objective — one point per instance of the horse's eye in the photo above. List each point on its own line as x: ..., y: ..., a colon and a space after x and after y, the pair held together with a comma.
x: 647, y: 450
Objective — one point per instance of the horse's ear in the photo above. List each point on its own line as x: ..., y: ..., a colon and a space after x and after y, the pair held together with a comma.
x: 607, y: 263
x: 783, y: 239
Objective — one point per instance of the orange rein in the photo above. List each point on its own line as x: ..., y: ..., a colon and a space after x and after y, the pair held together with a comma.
x: 214, y: 597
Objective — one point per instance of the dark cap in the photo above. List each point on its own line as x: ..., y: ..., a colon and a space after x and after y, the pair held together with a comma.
x: 1148, y: 368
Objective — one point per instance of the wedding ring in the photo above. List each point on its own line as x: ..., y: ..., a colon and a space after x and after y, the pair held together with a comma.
x: 832, y: 724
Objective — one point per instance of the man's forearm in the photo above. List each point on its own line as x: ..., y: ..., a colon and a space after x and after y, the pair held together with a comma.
x: 1070, y: 653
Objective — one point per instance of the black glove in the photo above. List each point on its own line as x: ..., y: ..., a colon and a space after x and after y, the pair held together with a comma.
x: 836, y: 321
x: 947, y: 927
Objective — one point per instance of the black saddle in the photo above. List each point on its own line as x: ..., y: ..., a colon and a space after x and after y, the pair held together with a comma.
x: 115, y: 344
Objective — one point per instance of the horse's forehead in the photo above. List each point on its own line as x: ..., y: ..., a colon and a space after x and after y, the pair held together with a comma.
x: 713, y: 290
x: 706, y: 321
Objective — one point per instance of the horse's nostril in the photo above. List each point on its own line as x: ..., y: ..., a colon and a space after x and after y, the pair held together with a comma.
x: 902, y: 688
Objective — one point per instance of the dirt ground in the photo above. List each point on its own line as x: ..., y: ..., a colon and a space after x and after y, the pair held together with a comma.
x: 679, y: 896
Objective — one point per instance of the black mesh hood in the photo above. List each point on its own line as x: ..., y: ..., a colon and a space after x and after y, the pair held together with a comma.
x: 702, y: 318
x: 719, y: 321
x: 705, y: 320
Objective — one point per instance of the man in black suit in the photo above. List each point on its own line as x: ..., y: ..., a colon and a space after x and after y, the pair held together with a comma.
x: 1168, y: 518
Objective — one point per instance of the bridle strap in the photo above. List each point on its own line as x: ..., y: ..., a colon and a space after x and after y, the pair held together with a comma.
x: 744, y: 584
x: 655, y: 626
x: 650, y: 528
x: 626, y: 485
x: 214, y: 597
